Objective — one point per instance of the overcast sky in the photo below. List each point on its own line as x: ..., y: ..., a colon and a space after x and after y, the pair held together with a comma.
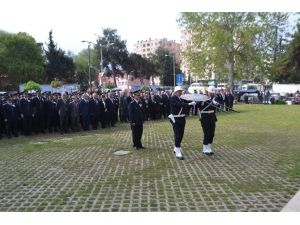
x: 73, y: 21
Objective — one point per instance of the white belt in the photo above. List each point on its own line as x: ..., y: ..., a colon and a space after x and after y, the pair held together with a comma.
x: 210, y: 111
x: 182, y: 115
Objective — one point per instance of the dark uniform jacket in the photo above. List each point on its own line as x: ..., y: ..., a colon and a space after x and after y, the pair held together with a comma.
x: 208, y: 106
x: 136, y: 113
x: 10, y: 111
x: 84, y: 108
x: 26, y: 107
x: 177, y: 105
x: 62, y: 107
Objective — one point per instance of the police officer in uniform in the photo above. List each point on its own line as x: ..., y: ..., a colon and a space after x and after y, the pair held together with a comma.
x: 136, y: 118
x: 208, y: 119
x: 177, y: 119
x: 11, y: 114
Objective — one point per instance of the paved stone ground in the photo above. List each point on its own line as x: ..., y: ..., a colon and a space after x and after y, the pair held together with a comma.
x: 59, y: 176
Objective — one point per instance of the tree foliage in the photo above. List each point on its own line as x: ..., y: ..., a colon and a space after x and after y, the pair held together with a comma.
x: 82, y: 69
x: 234, y: 44
x: 114, y: 53
x: 287, y: 67
x: 20, y: 58
x: 58, y: 65
x: 163, y: 63
x: 139, y: 66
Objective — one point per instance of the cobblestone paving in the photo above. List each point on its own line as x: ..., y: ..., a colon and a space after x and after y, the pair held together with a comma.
x: 59, y: 176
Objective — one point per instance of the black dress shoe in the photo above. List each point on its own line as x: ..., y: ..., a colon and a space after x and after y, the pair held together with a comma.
x: 180, y: 158
x: 208, y: 153
x: 136, y: 148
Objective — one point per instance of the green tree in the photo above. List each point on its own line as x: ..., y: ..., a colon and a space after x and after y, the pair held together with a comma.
x: 287, y: 68
x: 20, y: 58
x: 139, y: 66
x: 114, y: 53
x: 58, y: 64
x: 163, y: 62
x: 271, y: 43
x: 220, y: 41
x: 81, y: 74
x: 234, y: 45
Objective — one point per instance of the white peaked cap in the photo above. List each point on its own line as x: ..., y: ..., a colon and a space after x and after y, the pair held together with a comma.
x: 211, y: 89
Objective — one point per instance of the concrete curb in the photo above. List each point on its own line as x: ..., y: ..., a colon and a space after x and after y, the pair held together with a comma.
x: 293, y: 205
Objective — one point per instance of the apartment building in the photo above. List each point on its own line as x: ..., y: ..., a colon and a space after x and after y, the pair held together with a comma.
x: 147, y: 47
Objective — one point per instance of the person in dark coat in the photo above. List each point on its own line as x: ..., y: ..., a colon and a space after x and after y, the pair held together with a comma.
x: 1, y: 117
x: 94, y: 111
x: 38, y: 103
x: 51, y: 113
x: 208, y: 119
x: 136, y: 119
x: 164, y: 99
x: 102, y: 111
x: 123, y: 109
x: 84, y: 109
x: 63, y: 112
x: 74, y: 113
x: 158, y: 105
x: 152, y: 106
x: 116, y: 101
x: 229, y: 99
x: 219, y: 99
x: 26, y: 112
x: 110, y: 110
x: 10, y: 115
x: 177, y: 119
x: 146, y: 107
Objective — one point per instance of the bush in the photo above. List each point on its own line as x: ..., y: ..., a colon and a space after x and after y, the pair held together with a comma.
x: 110, y: 86
x: 279, y: 102
x: 31, y: 85
x: 56, y: 84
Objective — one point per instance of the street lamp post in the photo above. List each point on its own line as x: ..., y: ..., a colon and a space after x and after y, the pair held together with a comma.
x: 89, y: 63
x: 173, y: 59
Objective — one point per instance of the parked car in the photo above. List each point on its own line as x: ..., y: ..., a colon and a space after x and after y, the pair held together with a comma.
x: 222, y: 86
x: 199, y: 87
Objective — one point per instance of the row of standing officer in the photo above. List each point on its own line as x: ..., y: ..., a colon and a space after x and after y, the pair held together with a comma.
x: 50, y: 112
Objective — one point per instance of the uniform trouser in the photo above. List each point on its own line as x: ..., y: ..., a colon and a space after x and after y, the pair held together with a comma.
x: 27, y: 124
x: 12, y: 128
x: 63, y: 122
x: 85, y: 122
x: 178, y: 128
x: 51, y: 123
x: 208, y: 123
x: 94, y: 121
x: 137, y: 131
x: 39, y: 123
x: 75, y: 123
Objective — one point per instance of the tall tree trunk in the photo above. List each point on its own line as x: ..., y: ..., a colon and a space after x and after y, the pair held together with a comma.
x: 115, y: 80
x: 231, y: 73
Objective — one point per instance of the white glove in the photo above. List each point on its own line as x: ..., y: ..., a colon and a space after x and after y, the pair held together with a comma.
x: 192, y: 103
x: 172, y: 118
x: 215, y: 102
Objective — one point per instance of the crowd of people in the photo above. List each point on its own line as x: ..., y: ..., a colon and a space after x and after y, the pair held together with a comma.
x: 28, y: 114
